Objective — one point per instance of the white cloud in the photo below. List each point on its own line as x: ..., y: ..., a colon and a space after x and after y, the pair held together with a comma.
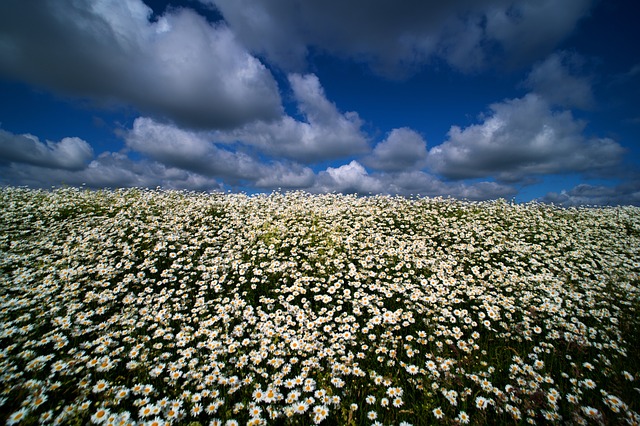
x: 180, y: 66
x: 324, y: 134
x: 522, y: 138
x: 348, y: 178
x: 196, y: 153
x: 403, y: 149
x: 395, y: 36
x: 69, y: 153
x: 354, y: 178
x: 171, y: 157
x: 553, y: 80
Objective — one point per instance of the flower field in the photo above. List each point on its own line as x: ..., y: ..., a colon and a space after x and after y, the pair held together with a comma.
x: 167, y: 307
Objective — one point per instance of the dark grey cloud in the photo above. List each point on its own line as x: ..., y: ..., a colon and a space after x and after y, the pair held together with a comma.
x: 69, y: 153
x: 108, y: 170
x: 597, y: 195
x: 395, y: 36
x: 555, y: 80
x: 175, y: 147
x: 522, y: 138
x: 403, y: 149
x: 426, y: 184
x: 179, y: 66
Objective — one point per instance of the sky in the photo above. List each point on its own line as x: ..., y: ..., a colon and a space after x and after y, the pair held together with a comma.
x: 473, y: 99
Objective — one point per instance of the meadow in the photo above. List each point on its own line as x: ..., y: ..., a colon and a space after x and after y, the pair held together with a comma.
x: 149, y: 307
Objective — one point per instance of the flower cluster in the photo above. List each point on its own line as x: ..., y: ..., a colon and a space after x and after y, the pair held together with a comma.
x: 132, y: 307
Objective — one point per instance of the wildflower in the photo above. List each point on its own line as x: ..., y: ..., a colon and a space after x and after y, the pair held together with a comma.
x: 46, y: 417
x: 590, y: 411
x: 481, y: 402
x: 463, y: 417
x: 589, y: 384
x: 438, y: 413
x: 412, y: 369
x: 100, y: 386
x: 300, y: 407
x: 514, y: 411
x: 100, y: 416
x: 196, y: 410
x: 572, y: 398
x: 17, y: 416
x: 320, y: 413
x: 146, y: 411
x: 372, y: 415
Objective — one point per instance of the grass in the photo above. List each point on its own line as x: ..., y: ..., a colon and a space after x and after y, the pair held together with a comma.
x: 166, y: 307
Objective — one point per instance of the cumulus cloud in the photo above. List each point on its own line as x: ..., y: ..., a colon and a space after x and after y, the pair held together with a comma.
x: 403, y: 149
x: 396, y: 35
x: 189, y: 150
x: 179, y: 66
x: 354, y: 178
x: 69, y: 153
x: 521, y: 138
x: 348, y: 178
x: 554, y: 79
x: 108, y: 170
x: 171, y: 157
x: 325, y: 133
x: 197, y: 153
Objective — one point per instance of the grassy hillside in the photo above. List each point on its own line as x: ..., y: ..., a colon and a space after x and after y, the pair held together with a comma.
x: 135, y: 306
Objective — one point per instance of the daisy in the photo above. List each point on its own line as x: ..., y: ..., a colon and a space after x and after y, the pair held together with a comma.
x: 100, y: 416
x: 590, y: 411
x: 438, y: 413
x: 300, y: 407
x: 100, y: 386
x: 18, y: 416
x: 463, y: 417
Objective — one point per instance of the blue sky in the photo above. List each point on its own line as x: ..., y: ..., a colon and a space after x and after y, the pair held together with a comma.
x: 484, y: 99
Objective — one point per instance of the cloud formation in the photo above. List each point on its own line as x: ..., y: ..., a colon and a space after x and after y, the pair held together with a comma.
x: 354, y: 178
x: 172, y: 157
x: 522, y: 138
x: 403, y: 149
x: 395, y: 35
x: 68, y: 154
x: 325, y: 133
x: 554, y: 79
x: 188, y: 150
x: 585, y: 194
x: 179, y: 66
